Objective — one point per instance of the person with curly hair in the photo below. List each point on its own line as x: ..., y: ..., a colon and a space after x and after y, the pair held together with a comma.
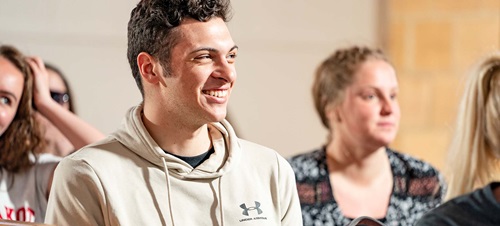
x: 473, y: 196
x: 355, y: 173
x: 26, y: 172
x: 176, y: 160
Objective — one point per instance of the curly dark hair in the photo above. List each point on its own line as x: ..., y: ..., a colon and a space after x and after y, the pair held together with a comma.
x: 23, y: 136
x: 337, y: 72
x: 152, y: 24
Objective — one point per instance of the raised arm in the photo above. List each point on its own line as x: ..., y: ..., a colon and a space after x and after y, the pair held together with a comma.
x: 78, y: 132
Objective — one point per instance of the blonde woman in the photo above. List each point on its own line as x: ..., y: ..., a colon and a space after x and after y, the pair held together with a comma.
x: 355, y: 173
x: 474, y: 154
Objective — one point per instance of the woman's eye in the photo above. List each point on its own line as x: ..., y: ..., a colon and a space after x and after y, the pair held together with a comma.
x: 5, y: 100
x: 369, y: 96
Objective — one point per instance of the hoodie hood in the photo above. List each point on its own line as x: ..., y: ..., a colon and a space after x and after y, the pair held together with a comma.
x: 136, y: 138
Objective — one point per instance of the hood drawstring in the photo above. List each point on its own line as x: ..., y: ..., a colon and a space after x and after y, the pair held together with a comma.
x: 220, y: 202
x: 165, y: 168
x: 221, y: 210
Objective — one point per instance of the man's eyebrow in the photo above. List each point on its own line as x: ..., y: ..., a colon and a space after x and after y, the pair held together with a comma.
x: 234, y: 47
x: 209, y: 49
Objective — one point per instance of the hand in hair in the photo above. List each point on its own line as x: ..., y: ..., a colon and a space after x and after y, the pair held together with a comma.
x: 78, y: 132
x: 41, y: 92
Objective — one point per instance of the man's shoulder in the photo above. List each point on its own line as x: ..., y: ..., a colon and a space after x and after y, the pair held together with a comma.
x: 102, y: 158
x: 253, y: 152
x: 104, y: 150
x: 249, y: 147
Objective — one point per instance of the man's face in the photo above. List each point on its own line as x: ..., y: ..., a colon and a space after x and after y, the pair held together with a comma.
x: 202, y: 67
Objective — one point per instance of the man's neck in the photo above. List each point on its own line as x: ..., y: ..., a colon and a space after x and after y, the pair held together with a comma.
x: 178, y: 138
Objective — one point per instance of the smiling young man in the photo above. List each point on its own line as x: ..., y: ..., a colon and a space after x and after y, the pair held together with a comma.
x: 176, y: 160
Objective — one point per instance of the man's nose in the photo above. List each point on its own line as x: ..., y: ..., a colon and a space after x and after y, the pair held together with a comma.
x: 226, y: 71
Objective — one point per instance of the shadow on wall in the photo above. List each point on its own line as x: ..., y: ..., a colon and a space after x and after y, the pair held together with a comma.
x: 229, y: 118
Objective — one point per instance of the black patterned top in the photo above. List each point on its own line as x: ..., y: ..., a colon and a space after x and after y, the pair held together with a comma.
x: 418, y: 188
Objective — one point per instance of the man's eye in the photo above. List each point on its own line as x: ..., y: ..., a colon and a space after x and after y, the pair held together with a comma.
x: 231, y: 58
x: 232, y: 55
x: 202, y: 57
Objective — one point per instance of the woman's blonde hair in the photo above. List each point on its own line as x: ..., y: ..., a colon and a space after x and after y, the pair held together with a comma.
x: 475, y: 148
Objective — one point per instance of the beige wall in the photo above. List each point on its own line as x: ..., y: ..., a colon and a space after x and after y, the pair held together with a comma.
x: 433, y: 45
x: 281, y: 41
x: 87, y: 40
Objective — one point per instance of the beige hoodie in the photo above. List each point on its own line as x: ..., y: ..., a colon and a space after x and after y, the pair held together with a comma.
x: 128, y: 179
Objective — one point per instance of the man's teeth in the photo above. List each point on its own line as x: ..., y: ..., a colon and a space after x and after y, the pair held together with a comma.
x: 216, y: 93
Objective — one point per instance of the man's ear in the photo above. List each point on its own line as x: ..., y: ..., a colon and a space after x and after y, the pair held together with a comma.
x: 150, y: 68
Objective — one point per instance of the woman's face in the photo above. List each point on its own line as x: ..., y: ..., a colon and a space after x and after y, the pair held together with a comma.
x: 11, y: 89
x: 58, y: 88
x: 369, y: 113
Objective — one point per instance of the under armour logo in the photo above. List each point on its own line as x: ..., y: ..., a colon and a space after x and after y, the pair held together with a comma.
x: 246, y: 209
